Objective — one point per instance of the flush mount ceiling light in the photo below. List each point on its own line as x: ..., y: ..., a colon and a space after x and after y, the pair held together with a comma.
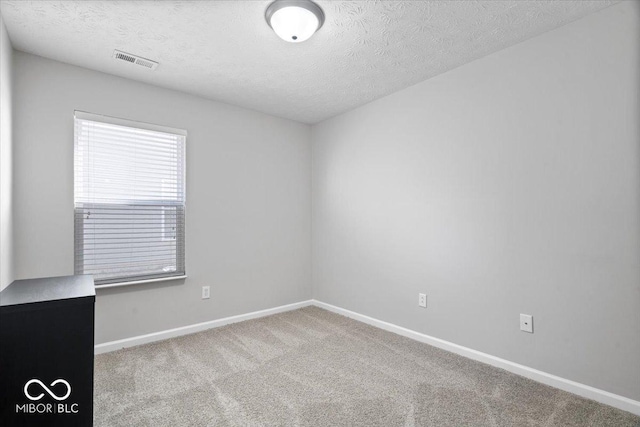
x: 294, y: 20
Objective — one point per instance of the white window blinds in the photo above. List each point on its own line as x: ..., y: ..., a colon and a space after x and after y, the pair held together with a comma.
x: 129, y: 200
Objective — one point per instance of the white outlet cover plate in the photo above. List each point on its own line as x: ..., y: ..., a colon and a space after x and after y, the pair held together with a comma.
x: 422, y: 300
x: 205, y: 292
x: 526, y: 323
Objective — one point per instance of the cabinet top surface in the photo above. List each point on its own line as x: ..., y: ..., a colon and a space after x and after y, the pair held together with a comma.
x: 47, y: 289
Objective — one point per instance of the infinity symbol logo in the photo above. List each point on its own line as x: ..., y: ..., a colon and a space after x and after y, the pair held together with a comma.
x: 52, y: 394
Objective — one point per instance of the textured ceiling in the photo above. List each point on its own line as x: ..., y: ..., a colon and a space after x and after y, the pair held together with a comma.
x: 224, y: 50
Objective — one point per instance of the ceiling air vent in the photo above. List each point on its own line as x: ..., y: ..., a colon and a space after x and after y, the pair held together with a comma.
x: 133, y: 59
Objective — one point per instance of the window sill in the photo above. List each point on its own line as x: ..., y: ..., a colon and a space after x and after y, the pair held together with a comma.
x: 137, y: 282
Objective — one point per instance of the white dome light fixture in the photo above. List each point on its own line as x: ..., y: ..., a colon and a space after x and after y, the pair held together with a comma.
x: 294, y: 20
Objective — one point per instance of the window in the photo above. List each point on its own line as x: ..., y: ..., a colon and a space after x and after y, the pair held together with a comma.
x: 129, y: 200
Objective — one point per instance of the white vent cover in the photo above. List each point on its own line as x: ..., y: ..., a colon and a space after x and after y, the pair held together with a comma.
x: 133, y: 59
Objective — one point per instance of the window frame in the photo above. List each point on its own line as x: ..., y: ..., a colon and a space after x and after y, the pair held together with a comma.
x: 83, y: 115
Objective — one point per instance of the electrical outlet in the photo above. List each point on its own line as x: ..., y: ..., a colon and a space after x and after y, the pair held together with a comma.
x: 205, y: 292
x: 526, y: 323
x: 422, y: 300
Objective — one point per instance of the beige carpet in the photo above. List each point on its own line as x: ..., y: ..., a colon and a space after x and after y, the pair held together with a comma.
x: 310, y: 367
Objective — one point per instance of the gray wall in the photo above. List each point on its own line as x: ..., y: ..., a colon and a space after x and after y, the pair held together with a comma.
x: 509, y: 185
x: 248, y: 197
x: 6, y: 149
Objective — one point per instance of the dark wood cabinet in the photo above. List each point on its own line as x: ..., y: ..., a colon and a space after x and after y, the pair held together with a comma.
x: 46, y: 352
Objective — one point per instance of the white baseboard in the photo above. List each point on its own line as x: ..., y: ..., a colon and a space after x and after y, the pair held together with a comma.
x: 190, y: 329
x: 583, y: 390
